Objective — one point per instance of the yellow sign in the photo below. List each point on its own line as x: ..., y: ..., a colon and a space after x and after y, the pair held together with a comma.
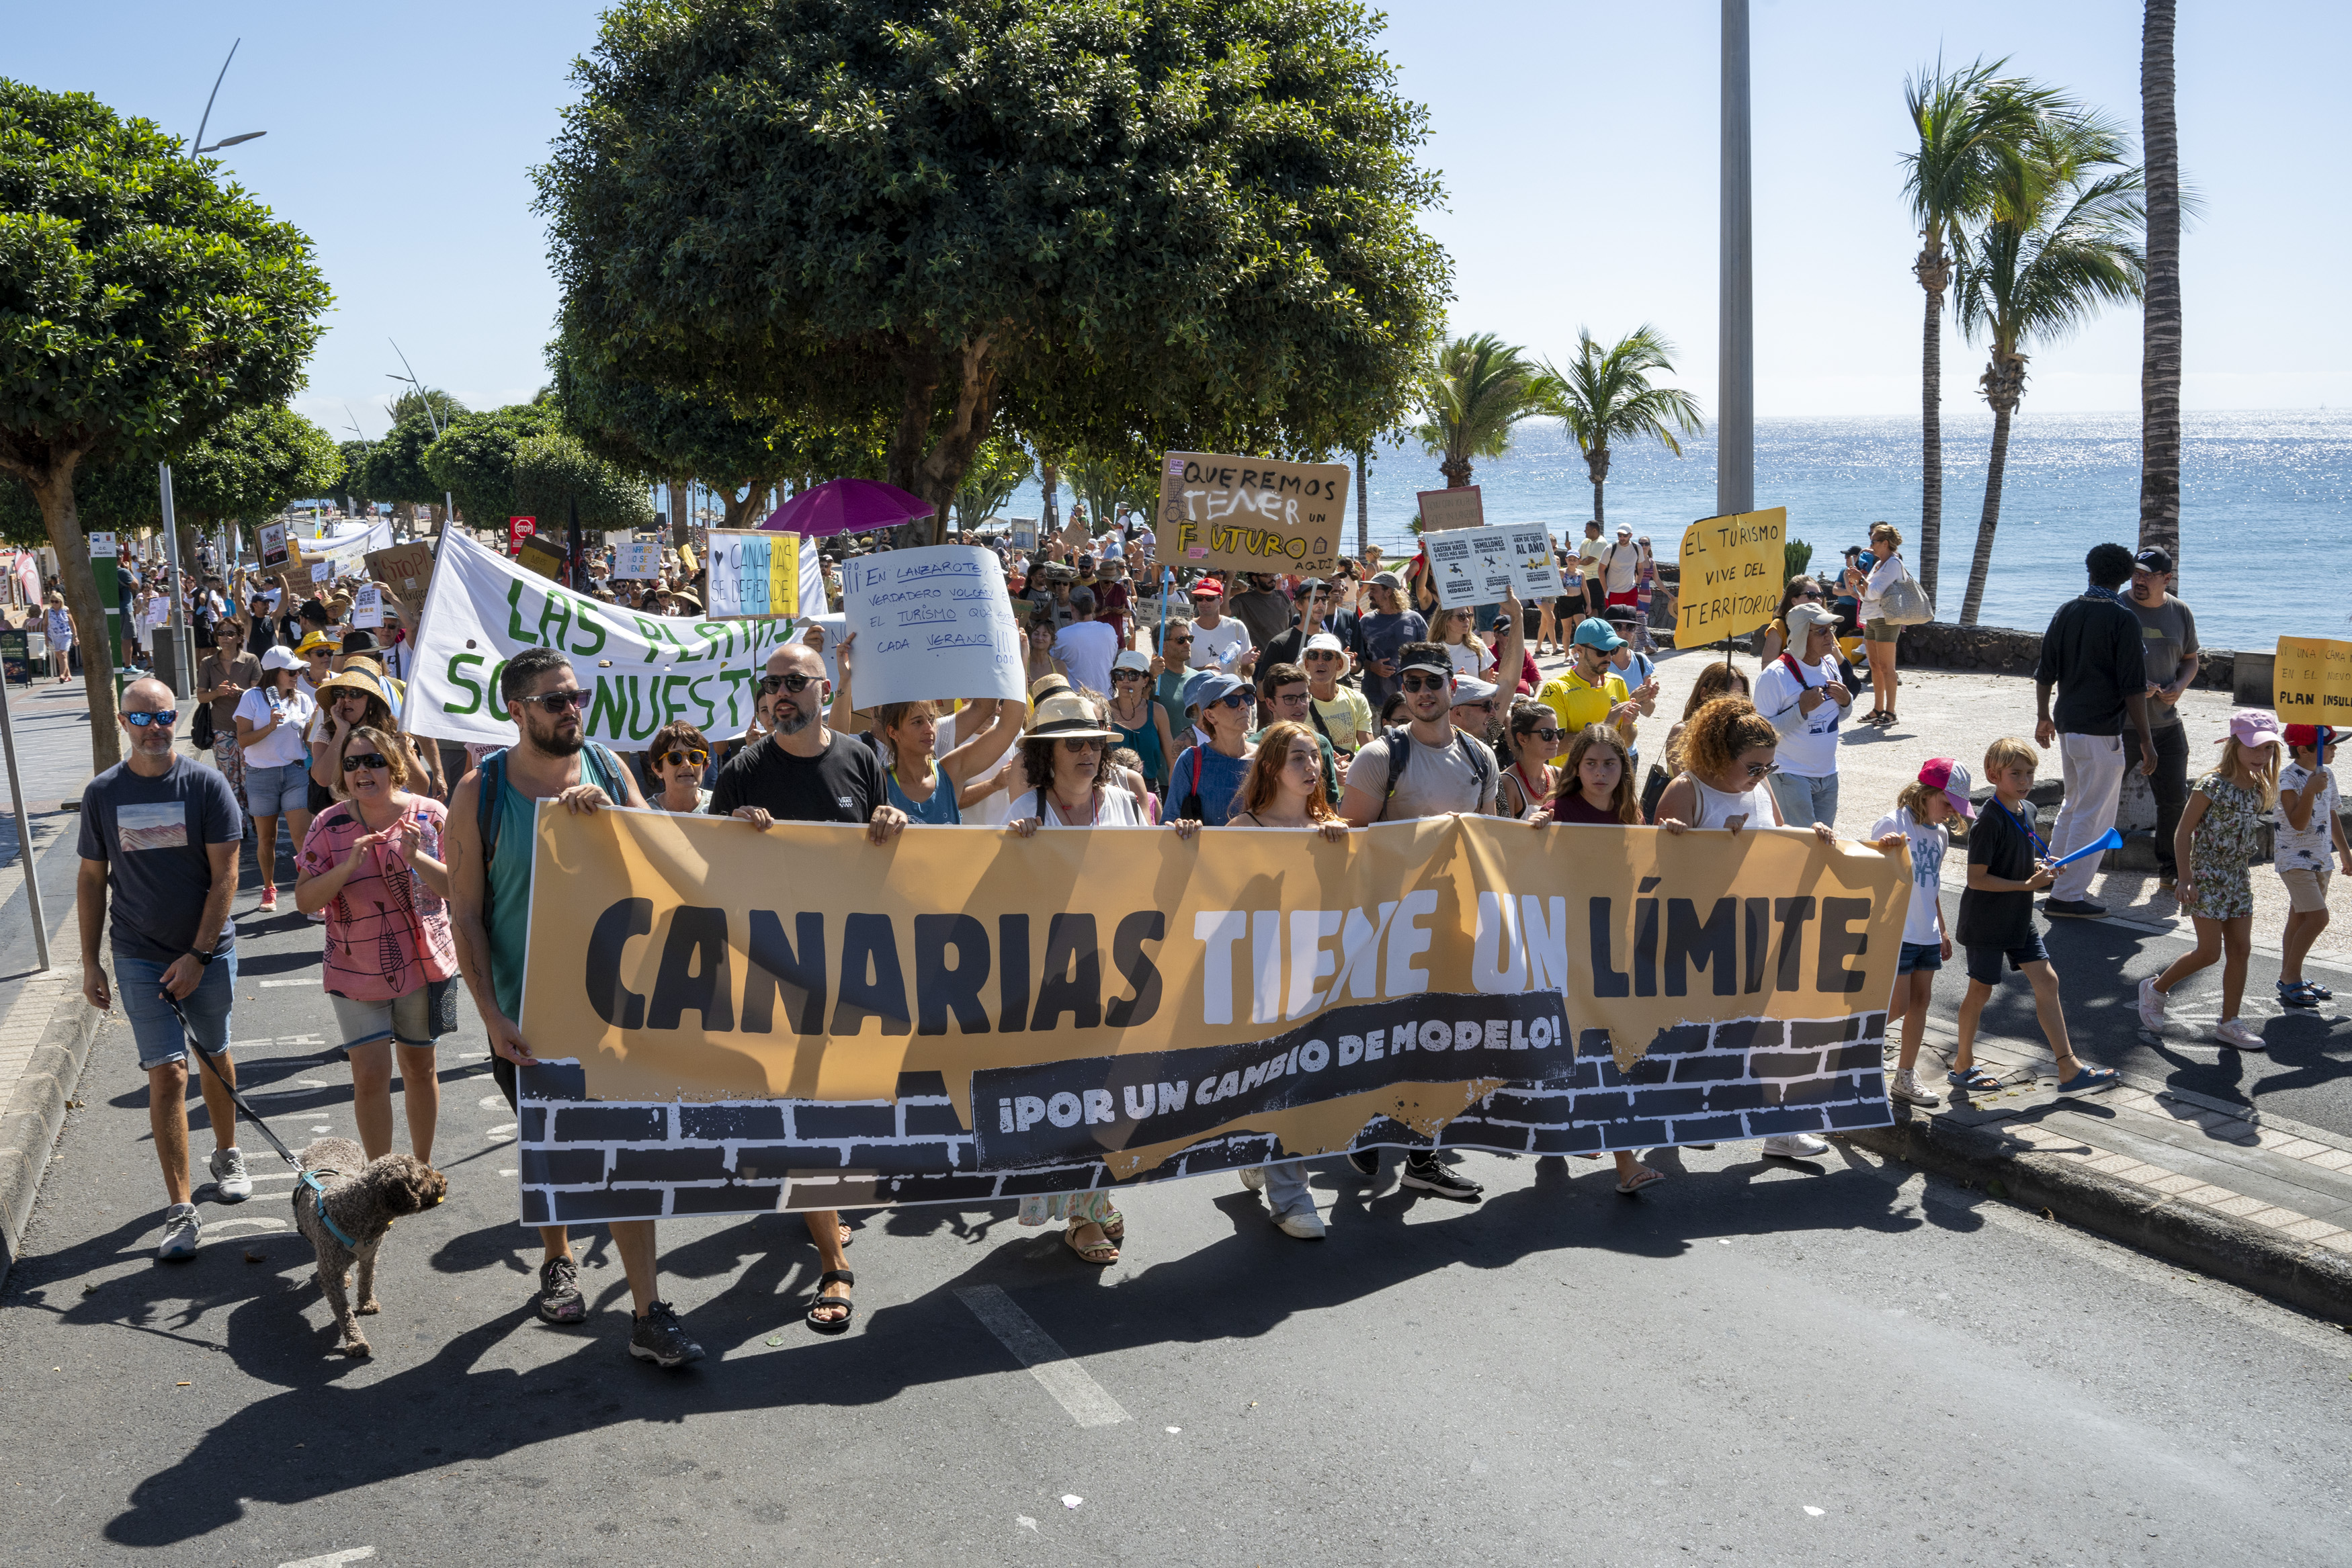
x: 1732, y: 570
x: 1127, y: 1002
x: 2310, y: 681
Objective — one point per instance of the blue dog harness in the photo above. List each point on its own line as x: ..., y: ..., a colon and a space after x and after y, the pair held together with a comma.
x: 319, y: 1194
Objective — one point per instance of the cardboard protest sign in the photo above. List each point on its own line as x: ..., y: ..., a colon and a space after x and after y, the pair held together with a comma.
x: 1479, y: 566
x: 272, y: 538
x: 544, y: 555
x: 753, y: 573
x: 800, y: 1019
x: 645, y: 670
x: 1732, y: 570
x: 2310, y: 681
x: 1024, y: 533
x: 407, y: 568
x: 637, y: 560
x: 1444, y: 510
x: 931, y: 623
x: 1251, y: 514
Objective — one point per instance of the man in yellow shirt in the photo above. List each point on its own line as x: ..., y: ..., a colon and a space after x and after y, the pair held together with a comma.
x: 1590, y: 692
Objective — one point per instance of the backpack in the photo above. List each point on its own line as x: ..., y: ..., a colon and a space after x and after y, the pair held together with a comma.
x: 601, y: 767
x: 1399, y: 737
x: 1905, y: 602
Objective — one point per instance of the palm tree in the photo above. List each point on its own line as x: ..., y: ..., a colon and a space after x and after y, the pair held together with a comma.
x: 1472, y: 391
x: 2159, y: 362
x: 2063, y: 239
x: 1605, y: 395
x: 1972, y: 124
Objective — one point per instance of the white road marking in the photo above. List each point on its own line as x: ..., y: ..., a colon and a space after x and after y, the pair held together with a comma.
x: 297, y: 980
x: 491, y: 1101
x: 505, y: 1131
x: 1089, y: 1403
x: 508, y: 1170
x: 333, y: 1558
x: 221, y: 1230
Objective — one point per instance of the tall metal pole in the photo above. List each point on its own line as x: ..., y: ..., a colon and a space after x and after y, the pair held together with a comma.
x: 24, y: 831
x: 1735, y: 395
x: 183, y: 652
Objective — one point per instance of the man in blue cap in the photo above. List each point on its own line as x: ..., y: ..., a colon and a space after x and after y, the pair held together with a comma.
x: 1588, y: 691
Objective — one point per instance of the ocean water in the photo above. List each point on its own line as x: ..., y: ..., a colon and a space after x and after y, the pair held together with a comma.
x: 2266, y: 504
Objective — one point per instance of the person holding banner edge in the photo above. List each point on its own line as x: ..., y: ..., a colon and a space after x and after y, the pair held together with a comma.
x: 491, y: 904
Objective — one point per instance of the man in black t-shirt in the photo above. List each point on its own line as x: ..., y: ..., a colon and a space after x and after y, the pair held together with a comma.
x: 2092, y: 654
x: 803, y: 771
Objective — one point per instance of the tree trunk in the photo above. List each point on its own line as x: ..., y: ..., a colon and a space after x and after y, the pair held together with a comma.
x: 932, y: 467
x: 752, y: 510
x: 61, y: 515
x: 681, y: 522
x: 2159, y: 365
x: 1363, y: 511
x: 2004, y: 384
x: 1934, y: 271
x: 1456, y: 471
x: 1596, y: 464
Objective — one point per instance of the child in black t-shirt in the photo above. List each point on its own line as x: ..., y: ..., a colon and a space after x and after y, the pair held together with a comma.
x: 2008, y: 861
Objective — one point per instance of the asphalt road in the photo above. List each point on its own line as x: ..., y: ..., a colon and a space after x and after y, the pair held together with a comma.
x: 1751, y: 1363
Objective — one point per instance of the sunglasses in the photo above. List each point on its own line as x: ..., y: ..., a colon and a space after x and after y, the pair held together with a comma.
x: 793, y: 681
x: 696, y: 759
x: 557, y: 704
x: 1178, y: 643
x: 1487, y: 706
x: 1418, y: 683
x: 142, y: 720
x: 1082, y: 743
x: 1544, y: 733
x: 1326, y: 653
x: 372, y: 761
x: 1118, y: 675
x: 1762, y: 770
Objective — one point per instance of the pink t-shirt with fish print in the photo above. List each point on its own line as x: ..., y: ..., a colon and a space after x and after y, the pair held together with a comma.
x: 387, y: 933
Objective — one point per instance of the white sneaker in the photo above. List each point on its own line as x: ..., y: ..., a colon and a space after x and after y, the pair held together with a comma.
x: 1905, y: 1086
x: 1253, y: 1178
x: 182, y: 1232
x: 1796, y: 1146
x: 2152, y: 1003
x: 231, y: 1182
x: 2233, y: 1032
x: 1304, y: 1224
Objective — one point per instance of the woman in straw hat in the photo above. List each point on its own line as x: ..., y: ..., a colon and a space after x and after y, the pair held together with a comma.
x: 360, y: 697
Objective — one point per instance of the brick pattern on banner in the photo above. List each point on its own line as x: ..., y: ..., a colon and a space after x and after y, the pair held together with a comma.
x: 584, y: 1160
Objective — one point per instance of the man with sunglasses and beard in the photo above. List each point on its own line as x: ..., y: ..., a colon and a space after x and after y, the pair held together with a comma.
x: 1425, y: 767
x: 490, y: 887
x: 803, y: 771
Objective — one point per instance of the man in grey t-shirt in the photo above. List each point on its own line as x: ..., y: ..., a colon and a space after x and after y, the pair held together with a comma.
x: 2168, y: 638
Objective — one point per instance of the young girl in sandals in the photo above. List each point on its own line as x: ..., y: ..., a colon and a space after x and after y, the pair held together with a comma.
x: 2221, y: 831
x: 1596, y: 790
x: 1284, y: 791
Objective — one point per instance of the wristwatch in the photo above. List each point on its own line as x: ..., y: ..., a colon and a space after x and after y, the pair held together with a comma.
x: 203, y: 958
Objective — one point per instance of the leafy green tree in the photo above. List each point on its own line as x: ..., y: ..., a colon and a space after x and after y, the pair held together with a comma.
x: 1972, y: 124
x: 2063, y: 239
x: 474, y: 459
x: 354, y: 455
x: 251, y: 466
x: 1605, y: 396
x: 1001, y: 466
x: 1169, y: 222
x: 552, y: 470
x: 1107, y: 481
x: 140, y: 304
x: 395, y: 468
x: 1472, y: 391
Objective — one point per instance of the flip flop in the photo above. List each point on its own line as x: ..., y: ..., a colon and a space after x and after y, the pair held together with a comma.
x: 1643, y: 1177
x: 1975, y: 1081
x: 2089, y: 1081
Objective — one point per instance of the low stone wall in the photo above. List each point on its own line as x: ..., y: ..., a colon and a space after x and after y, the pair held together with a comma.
x: 1939, y: 646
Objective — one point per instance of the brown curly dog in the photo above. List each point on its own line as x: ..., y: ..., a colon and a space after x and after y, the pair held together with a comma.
x: 361, y: 1199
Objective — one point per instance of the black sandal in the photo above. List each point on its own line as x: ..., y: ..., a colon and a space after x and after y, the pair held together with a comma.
x: 833, y: 1326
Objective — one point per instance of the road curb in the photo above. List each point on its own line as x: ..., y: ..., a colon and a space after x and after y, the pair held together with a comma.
x: 36, y: 1111
x: 2303, y: 1274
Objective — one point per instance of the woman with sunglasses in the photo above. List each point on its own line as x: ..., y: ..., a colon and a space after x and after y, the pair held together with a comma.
x: 1141, y: 721
x: 1205, y: 781
x: 271, y: 720
x: 355, y: 697
x: 1729, y: 755
x: 676, y: 759
x: 1529, y: 780
x: 373, y: 864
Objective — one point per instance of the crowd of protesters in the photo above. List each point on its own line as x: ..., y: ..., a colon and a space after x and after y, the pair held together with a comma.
x: 1186, y: 700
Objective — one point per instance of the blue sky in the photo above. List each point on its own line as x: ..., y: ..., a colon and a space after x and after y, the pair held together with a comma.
x: 1577, y: 142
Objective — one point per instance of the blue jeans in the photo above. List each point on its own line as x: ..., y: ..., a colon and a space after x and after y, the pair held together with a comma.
x: 1804, y: 802
x: 155, y: 1028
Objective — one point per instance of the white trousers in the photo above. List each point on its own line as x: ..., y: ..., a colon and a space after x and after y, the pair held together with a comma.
x: 2093, y: 771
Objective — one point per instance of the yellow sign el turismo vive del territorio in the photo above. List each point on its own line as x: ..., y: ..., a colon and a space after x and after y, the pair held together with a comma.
x: 1732, y: 569
x: 2310, y: 681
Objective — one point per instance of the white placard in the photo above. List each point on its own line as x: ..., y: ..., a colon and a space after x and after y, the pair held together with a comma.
x: 367, y: 607
x: 637, y: 560
x: 931, y: 623
x: 323, y: 571
x: 1024, y: 533
x: 101, y: 546
x: 1478, y: 566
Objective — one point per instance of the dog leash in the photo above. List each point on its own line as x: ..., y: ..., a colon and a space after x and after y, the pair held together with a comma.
x: 306, y: 1177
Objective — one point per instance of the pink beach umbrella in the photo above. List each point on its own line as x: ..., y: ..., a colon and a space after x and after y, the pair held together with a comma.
x: 847, y: 507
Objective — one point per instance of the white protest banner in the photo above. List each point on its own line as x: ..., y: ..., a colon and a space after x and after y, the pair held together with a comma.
x: 1478, y: 566
x: 1453, y: 570
x: 642, y: 670
x: 753, y: 573
x: 930, y: 622
x: 1532, y: 564
x: 367, y: 607
x: 637, y: 560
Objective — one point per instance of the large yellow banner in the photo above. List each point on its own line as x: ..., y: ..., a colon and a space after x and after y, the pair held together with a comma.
x: 800, y: 1019
x: 1732, y: 570
x: 2310, y: 681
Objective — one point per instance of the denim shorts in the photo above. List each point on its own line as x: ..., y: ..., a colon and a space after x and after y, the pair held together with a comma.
x: 1923, y: 957
x: 275, y: 791
x: 420, y: 1018
x: 154, y: 1028
x: 1984, y: 963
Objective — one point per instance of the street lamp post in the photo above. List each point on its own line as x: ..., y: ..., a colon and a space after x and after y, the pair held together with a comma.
x: 207, y: 119
x: 449, y: 501
x: 1735, y: 394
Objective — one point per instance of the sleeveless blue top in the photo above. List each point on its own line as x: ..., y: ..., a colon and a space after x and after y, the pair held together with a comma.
x: 939, y: 812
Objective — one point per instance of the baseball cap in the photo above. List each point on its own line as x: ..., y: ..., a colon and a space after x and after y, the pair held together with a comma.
x: 1440, y: 662
x: 1471, y: 689
x: 1132, y: 659
x: 280, y: 659
x: 1803, y: 618
x: 2252, y: 726
x: 1625, y: 530
x: 1323, y: 642
x: 2318, y: 736
x: 2156, y: 558
x: 1208, y: 587
x: 1594, y: 633
x: 1954, y: 780
x: 1308, y: 585
x: 1388, y: 579
x: 1212, y: 686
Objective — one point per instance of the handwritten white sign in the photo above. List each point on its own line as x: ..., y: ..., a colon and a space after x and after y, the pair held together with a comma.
x: 930, y: 622
x: 637, y: 560
x: 1478, y: 566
